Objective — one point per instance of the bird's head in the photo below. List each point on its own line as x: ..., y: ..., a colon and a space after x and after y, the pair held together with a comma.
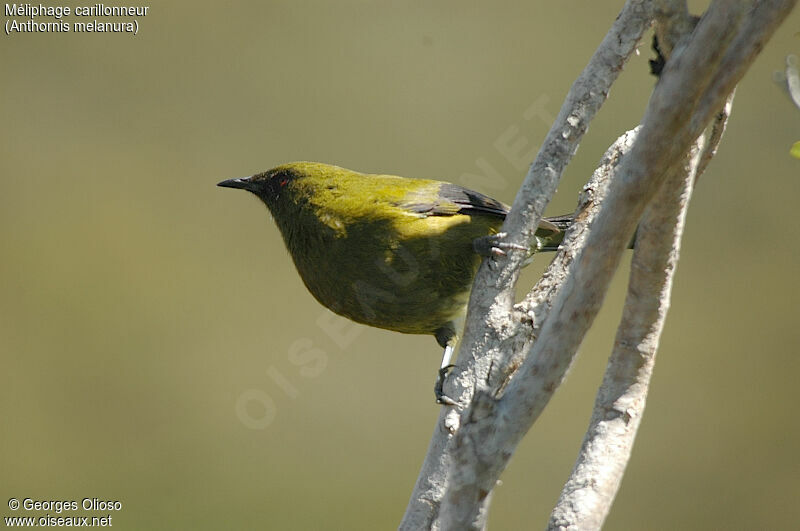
x: 269, y: 186
x: 274, y: 186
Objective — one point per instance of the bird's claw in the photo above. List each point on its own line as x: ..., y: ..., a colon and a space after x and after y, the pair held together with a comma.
x: 438, y: 388
x: 494, y: 245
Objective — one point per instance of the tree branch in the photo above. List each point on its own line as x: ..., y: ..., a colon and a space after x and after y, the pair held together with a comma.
x: 587, y: 495
x: 586, y: 96
x: 470, y: 448
x: 694, y: 84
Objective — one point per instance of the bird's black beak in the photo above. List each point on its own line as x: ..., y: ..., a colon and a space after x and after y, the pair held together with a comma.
x: 242, y: 182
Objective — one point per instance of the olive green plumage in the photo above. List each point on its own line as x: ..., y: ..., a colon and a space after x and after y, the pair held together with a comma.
x: 386, y: 251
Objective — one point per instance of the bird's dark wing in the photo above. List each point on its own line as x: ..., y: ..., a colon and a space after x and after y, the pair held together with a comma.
x: 450, y: 199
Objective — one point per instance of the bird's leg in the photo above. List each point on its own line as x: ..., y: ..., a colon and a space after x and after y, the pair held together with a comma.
x: 444, y: 370
x: 494, y: 245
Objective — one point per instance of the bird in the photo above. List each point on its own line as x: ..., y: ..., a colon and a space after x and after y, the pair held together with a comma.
x: 386, y: 251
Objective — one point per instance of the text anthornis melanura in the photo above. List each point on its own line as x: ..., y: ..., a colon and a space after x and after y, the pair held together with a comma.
x: 386, y: 251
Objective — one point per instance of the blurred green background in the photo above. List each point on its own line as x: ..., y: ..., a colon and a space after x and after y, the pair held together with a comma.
x: 146, y: 316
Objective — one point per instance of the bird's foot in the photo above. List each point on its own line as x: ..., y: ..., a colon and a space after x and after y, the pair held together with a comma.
x: 494, y: 245
x: 438, y: 388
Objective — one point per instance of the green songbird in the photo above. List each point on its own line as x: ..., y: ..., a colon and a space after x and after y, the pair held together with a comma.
x: 386, y: 251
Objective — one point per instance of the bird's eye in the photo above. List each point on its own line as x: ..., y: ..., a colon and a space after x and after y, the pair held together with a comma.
x: 283, y: 182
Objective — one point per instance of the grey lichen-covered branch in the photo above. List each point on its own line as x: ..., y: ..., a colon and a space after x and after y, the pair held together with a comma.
x: 505, y: 378
x: 587, y: 496
x: 589, y: 492
x: 586, y: 96
x: 697, y: 79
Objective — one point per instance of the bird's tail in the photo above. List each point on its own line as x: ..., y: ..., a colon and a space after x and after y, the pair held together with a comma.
x: 551, y: 232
